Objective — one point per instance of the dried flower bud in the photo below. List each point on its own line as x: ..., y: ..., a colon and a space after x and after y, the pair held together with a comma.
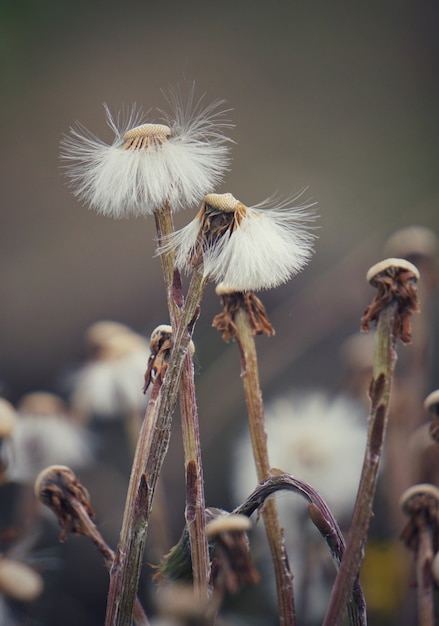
x: 395, y: 280
x: 421, y: 503
x: 160, y: 346
x: 19, y: 581
x: 232, y: 302
x: 390, y: 267
x: 232, y: 566
x: 58, y: 488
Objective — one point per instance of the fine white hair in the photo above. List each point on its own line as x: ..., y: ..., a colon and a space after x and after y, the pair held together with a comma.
x: 272, y: 243
x: 180, y: 171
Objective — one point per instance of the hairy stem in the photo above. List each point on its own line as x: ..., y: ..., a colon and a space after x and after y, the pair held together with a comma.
x: 255, y: 408
x: 384, y: 361
x: 195, y: 502
x: 150, y: 453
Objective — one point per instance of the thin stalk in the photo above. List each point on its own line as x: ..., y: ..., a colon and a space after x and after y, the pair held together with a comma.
x: 424, y: 577
x: 150, y: 453
x: 250, y: 376
x: 384, y: 362
x: 195, y: 502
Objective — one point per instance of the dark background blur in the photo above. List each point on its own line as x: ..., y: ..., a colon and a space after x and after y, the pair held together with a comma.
x: 341, y: 98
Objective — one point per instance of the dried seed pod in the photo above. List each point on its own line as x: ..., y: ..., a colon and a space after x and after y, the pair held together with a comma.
x: 58, y: 488
x: 395, y: 280
x: 232, y: 302
x: 421, y: 503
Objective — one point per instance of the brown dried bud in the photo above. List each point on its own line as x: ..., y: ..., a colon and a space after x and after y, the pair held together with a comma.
x: 58, y: 488
x: 232, y: 302
x: 421, y: 503
x: 232, y: 565
x: 395, y: 280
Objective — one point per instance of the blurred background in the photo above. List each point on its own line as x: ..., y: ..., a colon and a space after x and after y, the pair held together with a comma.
x: 337, y: 98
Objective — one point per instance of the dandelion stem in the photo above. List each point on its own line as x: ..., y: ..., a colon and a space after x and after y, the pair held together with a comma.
x: 424, y: 575
x: 391, y: 309
x: 195, y: 502
x: 250, y: 376
x: 150, y: 453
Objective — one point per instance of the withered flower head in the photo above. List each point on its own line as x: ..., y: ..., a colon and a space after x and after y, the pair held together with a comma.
x: 232, y: 302
x: 421, y: 503
x: 58, y: 488
x: 246, y: 248
x: 396, y: 282
x: 232, y: 565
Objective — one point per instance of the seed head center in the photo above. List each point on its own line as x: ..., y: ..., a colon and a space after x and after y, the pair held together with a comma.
x: 146, y: 135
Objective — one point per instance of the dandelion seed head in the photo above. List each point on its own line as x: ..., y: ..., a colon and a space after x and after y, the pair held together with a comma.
x: 149, y: 165
x: 256, y: 248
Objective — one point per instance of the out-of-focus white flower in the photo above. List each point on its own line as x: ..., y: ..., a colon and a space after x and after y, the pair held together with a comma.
x: 42, y: 437
x: 319, y: 440
x: 246, y: 248
x: 110, y: 384
x: 149, y: 165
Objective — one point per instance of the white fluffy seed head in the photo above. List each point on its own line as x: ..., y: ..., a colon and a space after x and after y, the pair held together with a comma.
x: 149, y: 165
x: 264, y: 248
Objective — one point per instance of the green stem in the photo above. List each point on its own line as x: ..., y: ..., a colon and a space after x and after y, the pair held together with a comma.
x: 150, y: 453
x: 384, y: 362
x: 195, y: 503
x: 255, y: 408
